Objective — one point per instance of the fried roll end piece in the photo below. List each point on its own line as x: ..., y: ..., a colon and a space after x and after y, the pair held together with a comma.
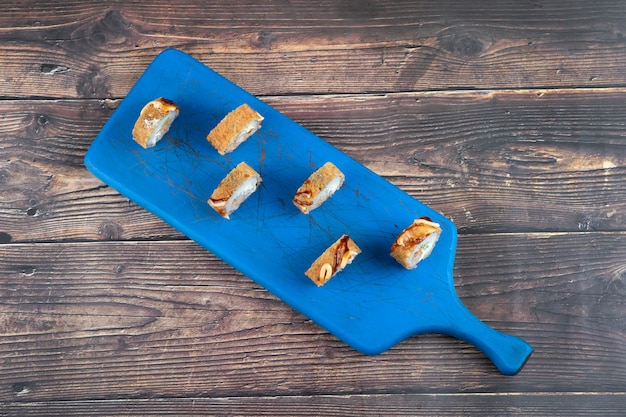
x: 318, y: 188
x: 234, y: 129
x: 234, y: 189
x: 416, y: 242
x: 333, y: 260
x: 154, y: 121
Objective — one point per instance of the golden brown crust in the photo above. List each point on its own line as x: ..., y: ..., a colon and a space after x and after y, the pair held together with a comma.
x: 305, y: 195
x: 229, y: 184
x: 149, y: 116
x: 333, y: 260
x: 410, y: 238
x: 232, y: 125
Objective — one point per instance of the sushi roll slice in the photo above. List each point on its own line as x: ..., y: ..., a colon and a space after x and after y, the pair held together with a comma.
x: 416, y: 242
x: 154, y: 121
x: 333, y: 260
x: 318, y: 188
x: 234, y: 129
x: 234, y: 189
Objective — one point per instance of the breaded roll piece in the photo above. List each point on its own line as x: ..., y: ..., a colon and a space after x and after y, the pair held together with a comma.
x: 318, y: 188
x: 234, y: 189
x: 333, y: 260
x: 416, y: 242
x: 234, y: 129
x: 154, y: 121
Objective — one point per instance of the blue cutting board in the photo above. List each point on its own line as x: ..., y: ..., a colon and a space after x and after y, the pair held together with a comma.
x: 374, y: 303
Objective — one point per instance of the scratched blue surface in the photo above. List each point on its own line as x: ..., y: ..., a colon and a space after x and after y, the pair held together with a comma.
x: 374, y: 303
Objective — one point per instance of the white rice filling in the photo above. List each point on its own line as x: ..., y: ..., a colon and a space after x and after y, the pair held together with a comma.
x: 161, y: 126
x: 325, y: 193
x: 423, y: 249
x: 240, y: 195
x: 248, y: 131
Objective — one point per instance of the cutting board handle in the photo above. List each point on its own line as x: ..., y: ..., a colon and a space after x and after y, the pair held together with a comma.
x: 508, y: 353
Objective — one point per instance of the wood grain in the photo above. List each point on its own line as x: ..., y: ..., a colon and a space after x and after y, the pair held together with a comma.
x: 85, y: 49
x: 86, y: 321
x: 484, y: 159
x: 375, y: 405
x: 508, y: 117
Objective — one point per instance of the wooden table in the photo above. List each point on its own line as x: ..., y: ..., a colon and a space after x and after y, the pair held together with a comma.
x: 508, y: 117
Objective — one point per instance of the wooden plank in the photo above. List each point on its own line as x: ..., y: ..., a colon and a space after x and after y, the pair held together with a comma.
x: 402, y: 405
x: 498, y: 161
x: 47, y: 194
x: 506, y: 117
x: 94, y: 49
x: 167, y: 319
x: 492, y: 161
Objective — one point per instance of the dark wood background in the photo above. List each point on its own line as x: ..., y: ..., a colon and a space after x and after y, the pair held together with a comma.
x: 509, y: 117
